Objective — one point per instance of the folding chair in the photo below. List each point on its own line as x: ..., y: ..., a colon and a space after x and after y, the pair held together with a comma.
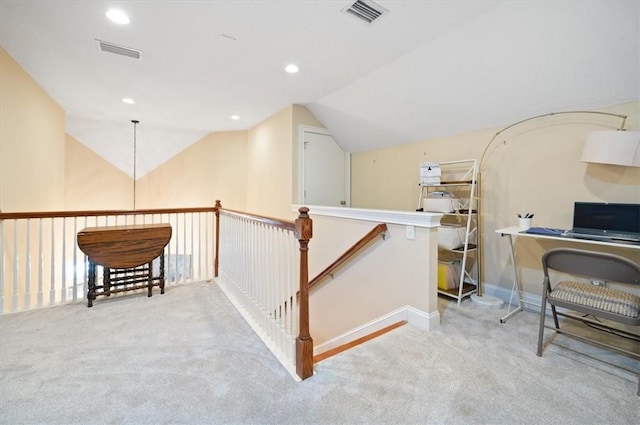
x: 602, y: 302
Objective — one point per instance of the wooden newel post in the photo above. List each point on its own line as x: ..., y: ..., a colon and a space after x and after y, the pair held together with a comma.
x: 304, y: 342
x: 217, y: 240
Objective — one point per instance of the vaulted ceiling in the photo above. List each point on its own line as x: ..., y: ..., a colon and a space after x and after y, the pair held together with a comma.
x: 422, y: 70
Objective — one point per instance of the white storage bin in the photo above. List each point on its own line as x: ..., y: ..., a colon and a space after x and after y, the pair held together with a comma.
x: 442, y: 202
x: 451, y: 236
x: 441, y: 205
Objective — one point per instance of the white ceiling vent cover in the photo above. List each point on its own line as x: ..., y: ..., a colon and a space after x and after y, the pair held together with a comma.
x: 365, y: 10
x: 119, y: 50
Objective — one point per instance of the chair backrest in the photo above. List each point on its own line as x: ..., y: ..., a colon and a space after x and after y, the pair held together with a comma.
x: 598, y: 265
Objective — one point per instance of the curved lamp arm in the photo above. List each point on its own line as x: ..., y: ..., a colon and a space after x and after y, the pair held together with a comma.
x: 484, y: 154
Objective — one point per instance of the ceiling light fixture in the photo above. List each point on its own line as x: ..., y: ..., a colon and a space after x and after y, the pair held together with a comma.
x: 128, y: 101
x: 118, y: 16
x: 235, y: 117
x: 291, y: 68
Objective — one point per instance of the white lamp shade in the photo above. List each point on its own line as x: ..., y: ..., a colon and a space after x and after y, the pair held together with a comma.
x: 612, y: 147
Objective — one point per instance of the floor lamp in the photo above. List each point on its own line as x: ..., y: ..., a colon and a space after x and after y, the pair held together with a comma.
x: 608, y: 147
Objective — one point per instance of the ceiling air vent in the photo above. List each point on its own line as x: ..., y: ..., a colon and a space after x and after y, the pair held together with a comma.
x: 365, y: 10
x: 119, y: 50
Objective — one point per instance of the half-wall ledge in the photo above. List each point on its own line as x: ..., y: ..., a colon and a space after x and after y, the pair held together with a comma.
x: 409, y: 218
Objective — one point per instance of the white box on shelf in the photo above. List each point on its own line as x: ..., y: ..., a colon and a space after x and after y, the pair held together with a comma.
x: 441, y: 204
x: 430, y: 173
x: 451, y: 236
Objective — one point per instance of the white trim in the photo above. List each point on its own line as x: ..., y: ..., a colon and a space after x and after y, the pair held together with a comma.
x: 409, y: 218
x: 412, y: 315
x: 531, y: 300
x: 423, y: 320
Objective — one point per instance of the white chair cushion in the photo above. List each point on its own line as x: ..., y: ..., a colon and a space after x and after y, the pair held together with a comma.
x: 598, y: 297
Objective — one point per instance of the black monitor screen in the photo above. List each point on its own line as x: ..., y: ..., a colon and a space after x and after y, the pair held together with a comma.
x: 608, y: 217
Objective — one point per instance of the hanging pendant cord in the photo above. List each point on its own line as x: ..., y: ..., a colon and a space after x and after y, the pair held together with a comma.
x: 135, y: 125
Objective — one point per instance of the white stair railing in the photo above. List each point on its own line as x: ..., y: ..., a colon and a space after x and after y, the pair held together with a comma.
x: 263, y: 272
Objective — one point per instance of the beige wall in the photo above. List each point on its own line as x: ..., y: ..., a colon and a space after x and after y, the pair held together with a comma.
x: 269, y: 163
x: 388, y: 178
x: 213, y: 168
x: 44, y: 169
x: 92, y: 183
x: 388, y: 275
x: 247, y: 170
x: 534, y: 167
x: 32, y: 143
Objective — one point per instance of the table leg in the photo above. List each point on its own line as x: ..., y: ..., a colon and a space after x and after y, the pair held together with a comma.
x: 162, y: 273
x: 150, y: 279
x: 91, y: 290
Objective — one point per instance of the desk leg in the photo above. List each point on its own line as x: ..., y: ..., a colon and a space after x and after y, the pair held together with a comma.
x: 515, y: 289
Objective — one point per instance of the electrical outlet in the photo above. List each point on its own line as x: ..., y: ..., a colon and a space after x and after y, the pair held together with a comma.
x: 411, y: 232
x: 598, y: 282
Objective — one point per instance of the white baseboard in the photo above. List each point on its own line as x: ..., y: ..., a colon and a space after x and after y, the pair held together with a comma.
x: 414, y: 316
x: 531, y: 301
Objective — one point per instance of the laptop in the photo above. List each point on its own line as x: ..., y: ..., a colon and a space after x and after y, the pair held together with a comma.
x: 606, y: 221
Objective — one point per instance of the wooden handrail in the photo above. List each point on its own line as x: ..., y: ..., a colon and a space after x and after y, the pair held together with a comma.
x: 366, y: 239
x: 95, y: 213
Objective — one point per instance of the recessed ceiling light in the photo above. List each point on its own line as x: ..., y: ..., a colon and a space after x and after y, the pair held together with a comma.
x: 118, y: 16
x: 128, y: 101
x: 291, y: 68
x: 235, y: 117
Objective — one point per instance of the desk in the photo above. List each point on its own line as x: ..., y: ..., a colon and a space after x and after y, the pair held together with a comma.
x: 517, y: 232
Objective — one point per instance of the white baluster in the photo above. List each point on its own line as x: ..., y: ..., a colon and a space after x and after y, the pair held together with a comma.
x: 184, y: 247
x: 64, y: 259
x: 2, y: 266
x: 14, y: 304
x: 206, y: 245
x: 52, y: 287
x: 193, y: 253
x: 27, y: 268
x: 75, y: 262
x: 40, y: 266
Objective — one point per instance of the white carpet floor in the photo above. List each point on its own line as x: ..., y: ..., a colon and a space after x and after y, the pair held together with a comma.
x: 187, y: 357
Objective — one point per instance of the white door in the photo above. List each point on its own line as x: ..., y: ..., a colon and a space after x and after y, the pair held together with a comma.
x: 325, y: 174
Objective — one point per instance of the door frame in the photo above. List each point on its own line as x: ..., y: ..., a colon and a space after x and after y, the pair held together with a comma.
x: 303, y: 129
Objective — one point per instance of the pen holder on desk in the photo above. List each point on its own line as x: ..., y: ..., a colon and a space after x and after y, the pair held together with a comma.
x: 524, y: 223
